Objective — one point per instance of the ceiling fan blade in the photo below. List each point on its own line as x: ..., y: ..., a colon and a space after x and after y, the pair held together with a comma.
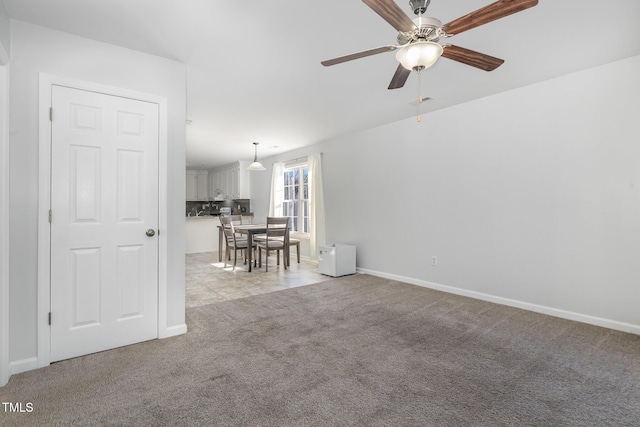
x: 357, y: 55
x: 489, y: 13
x: 473, y: 58
x: 391, y: 12
x: 399, y: 78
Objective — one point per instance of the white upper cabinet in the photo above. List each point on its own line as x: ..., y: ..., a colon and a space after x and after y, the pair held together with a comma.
x: 232, y: 180
x: 192, y: 185
x: 213, y: 180
x: 203, y: 185
x: 197, y: 185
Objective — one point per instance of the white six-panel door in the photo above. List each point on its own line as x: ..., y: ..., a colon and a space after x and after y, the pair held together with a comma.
x: 104, y: 210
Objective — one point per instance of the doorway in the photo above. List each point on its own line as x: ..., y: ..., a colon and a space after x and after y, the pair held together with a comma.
x: 104, y: 221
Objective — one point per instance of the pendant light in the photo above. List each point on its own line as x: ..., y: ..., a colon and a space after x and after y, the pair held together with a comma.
x: 256, y: 165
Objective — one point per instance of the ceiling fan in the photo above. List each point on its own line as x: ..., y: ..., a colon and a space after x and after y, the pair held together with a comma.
x: 418, y: 39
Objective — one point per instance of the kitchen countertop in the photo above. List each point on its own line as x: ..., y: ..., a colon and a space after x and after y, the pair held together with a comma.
x: 214, y: 215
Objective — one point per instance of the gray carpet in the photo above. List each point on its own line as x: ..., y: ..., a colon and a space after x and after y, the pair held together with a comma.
x: 354, y: 351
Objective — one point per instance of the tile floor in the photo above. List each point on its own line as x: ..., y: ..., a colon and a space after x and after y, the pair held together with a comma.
x: 207, y: 281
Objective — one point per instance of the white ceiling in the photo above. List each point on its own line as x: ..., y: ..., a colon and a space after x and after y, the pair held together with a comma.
x: 254, y: 73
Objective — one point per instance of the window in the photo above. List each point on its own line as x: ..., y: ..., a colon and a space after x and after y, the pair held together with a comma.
x: 296, y: 197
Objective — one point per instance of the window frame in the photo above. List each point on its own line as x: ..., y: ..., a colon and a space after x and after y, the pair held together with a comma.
x: 300, y: 200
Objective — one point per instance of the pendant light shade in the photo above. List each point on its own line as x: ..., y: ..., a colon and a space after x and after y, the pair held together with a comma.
x: 256, y: 165
x: 419, y: 55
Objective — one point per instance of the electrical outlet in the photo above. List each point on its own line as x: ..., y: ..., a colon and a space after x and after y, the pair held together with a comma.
x: 434, y: 261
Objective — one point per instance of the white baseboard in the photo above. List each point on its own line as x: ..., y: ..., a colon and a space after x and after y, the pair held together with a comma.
x: 31, y: 363
x: 564, y: 314
x: 24, y: 365
x: 173, y: 331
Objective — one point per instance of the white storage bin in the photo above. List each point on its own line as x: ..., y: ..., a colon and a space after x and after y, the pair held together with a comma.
x: 337, y: 260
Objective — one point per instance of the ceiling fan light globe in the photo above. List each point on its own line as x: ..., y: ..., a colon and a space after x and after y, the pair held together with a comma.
x: 419, y: 55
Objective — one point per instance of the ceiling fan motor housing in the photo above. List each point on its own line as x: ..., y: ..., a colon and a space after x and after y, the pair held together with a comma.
x: 427, y: 29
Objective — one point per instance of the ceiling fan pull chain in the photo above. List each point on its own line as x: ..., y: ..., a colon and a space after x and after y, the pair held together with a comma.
x: 419, y: 94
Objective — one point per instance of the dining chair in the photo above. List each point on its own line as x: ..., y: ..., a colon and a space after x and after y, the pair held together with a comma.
x: 234, y: 242
x: 237, y: 220
x: 296, y: 243
x: 291, y: 242
x: 276, y: 239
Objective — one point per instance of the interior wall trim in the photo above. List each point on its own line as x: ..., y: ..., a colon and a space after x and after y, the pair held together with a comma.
x: 4, y: 225
x: 24, y: 365
x: 564, y: 314
x: 173, y: 331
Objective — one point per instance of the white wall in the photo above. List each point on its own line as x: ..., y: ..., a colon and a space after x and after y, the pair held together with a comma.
x: 39, y: 50
x: 530, y: 197
x: 5, y: 35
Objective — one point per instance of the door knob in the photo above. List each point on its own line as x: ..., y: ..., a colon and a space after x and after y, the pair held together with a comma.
x: 151, y: 232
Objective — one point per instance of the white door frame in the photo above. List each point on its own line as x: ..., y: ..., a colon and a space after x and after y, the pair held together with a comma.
x: 44, y: 203
x: 4, y: 217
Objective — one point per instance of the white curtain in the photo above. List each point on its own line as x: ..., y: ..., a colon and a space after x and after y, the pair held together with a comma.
x: 316, y: 213
x: 277, y: 190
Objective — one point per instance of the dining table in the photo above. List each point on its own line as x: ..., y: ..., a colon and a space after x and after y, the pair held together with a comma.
x: 250, y: 230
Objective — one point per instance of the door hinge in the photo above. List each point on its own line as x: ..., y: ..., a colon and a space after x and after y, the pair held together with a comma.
x: 50, y: 114
x: 49, y: 318
x: 50, y: 215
